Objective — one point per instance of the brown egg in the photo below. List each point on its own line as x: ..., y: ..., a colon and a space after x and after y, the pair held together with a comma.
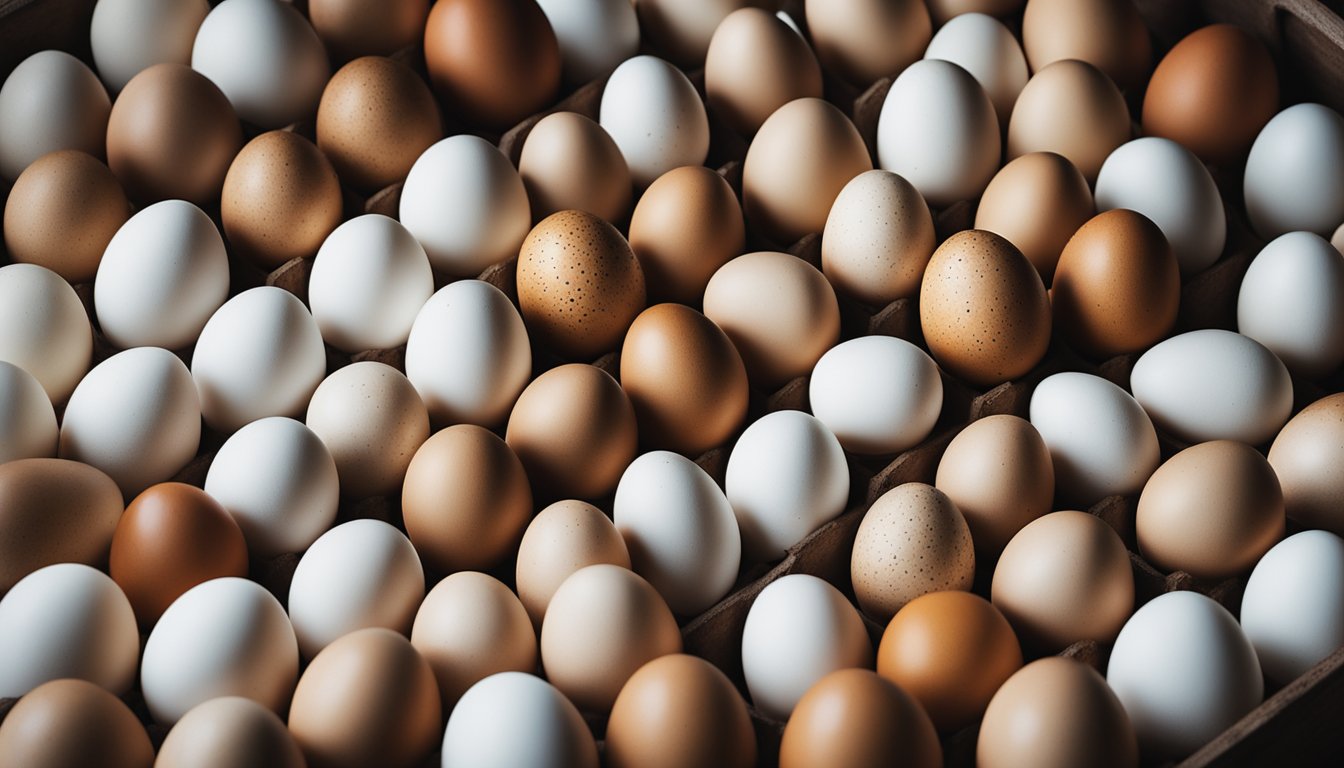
x: 865, y: 40
x: 1305, y: 456
x: 466, y: 499
x: 942, y: 10
x: 913, y: 540
x: 367, y: 699
x: 679, y: 711
x: 1071, y: 108
x: 1211, y: 510
x: 570, y: 162
x: 375, y: 118
x: 983, y: 309
x: 575, y: 431
x: 579, y: 284
x: 229, y: 732
x: 686, y: 225
x: 999, y: 473
x: 779, y: 311
x: 854, y: 718
x: 756, y: 64
x: 1108, y: 34
x: 1036, y: 202
x: 62, y: 212
x: 281, y: 199
x: 1212, y: 93
x: 787, y: 193
x: 680, y: 31
x: 172, y: 537
x: 878, y: 239
x: 351, y: 28
x: 73, y: 724
x: 1056, y: 713
x: 1118, y: 287
x: 951, y: 651
x: 493, y: 62
x: 54, y: 511
x: 172, y: 135
x: 1063, y: 578
x: 561, y: 539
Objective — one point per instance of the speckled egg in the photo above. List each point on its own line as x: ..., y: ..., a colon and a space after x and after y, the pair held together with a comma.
x: 878, y: 238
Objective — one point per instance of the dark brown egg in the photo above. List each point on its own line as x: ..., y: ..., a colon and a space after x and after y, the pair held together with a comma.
x: 68, y: 723
x: 351, y: 28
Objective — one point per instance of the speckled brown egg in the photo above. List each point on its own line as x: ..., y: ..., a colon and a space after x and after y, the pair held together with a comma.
x: 62, y: 212
x: 350, y: 28
x: 375, y: 118
x: 1072, y: 108
x: 229, y: 732
x: 1036, y: 202
x: 1306, y: 456
x: 579, y: 284
x: 686, y: 225
x: 569, y: 162
x: 756, y: 64
x: 68, y: 723
x: 281, y: 199
x: 561, y: 539
x: 854, y: 718
x: 1108, y: 34
x: 983, y: 309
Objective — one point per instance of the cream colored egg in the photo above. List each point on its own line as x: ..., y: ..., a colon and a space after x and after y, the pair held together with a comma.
x: 44, y: 328
x: 561, y: 539
x: 878, y: 239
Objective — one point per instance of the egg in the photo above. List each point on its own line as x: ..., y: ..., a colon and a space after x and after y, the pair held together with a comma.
x: 54, y: 511
x: 517, y: 719
x: 686, y: 225
x: 1036, y: 202
x: 367, y: 699
x: 757, y: 63
x: 466, y: 499
x: 172, y: 537
x: 853, y: 718
x: 1289, y: 301
x: 363, y: 573
x: 1071, y: 108
x: 1303, y: 456
x: 44, y: 328
x: 63, y: 210
x: 1294, y: 177
x: 353, y: 28
x: 561, y: 539
x: 579, y: 284
x: 943, y: 10
x: 912, y: 527
x: 28, y: 427
x: 76, y: 623
x: 1293, y: 607
x: 983, y: 46
x: 679, y: 710
x: 129, y: 36
x: 569, y: 162
x: 1056, y: 712
x: 50, y: 101
x: 655, y: 116
x: 866, y: 40
x: 878, y: 394
x: 682, y: 31
x: 878, y: 239
x: 172, y: 134
x: 594, y: 36
x: 1108, y: 34
x: 164, y: 273
x: 951, y: 651
x: 983, y: 309
x: 74, y: 722
x: 229, y: 732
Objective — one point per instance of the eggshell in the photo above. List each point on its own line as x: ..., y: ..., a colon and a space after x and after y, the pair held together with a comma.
x: 1295, y: 172
x: 569, y: 162
x: 878, y: 239
x: 943, y: 10
x: 54, y: 511
x: 682, y: 31
x: 594, y: 36
x: 561, y: 539
x: 686, y: 225
x: 353, y: 28
x: 1304, y: 455
x: 983, y: 46
x: 1072, y: 108
x: 878, y: 394
x: 517, y: 719
x: 229, y: 732
x: 128, y: 36
x: 1293, y: 607
x: 27, y: 421
x: 655, y: 116
x: 1292, y: 301
x: 1036, y: 202
x: 757, y: 63
x: 44, y: 328
x: 62, y: 212
x: 50, y: 101
x: 1108, y: 34
x: 865, y: 40
x: 73, y: 722
x: 853, y: 718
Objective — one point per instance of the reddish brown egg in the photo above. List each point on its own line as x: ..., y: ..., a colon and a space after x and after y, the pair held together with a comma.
x: 854, y: 718
x: 686, y: 225
x: 68, y: 723
x: 350, y: 28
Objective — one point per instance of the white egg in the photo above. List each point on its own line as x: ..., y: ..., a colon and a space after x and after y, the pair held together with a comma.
x: 279, y: 482
x: 983, y: 46
x: 161, y: 277
x: 1292, y: 301
x: 1214, y: 385
x: 1295, y: 172
x: 136, y: 417
x: 655, y: 116
x: 679, y: 529
x: 370, y: 278
x: 1167, y: 183
x: 130, y: 35
x: 223, y: 637
x: 50, y: 101
x: 28, y: 428
x: 67, y: 620
x: 1293, y: 607
x: 878, y: 394
x: 512, y: 718
x: 466, y: 204
x: 594, y: 35
x: 360, y: 574
x: 259, y: 355
x: 799, y: 629
x: 44, y: 328
x: 1184, y: 672
x: 280, y: 77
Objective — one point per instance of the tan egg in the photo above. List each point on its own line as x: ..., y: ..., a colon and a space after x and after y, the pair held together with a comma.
x: 229, y: 732
x: 575, y: 432
x: 983, y: 309
x: 756, y: 64
x: 367, y: 699
x: 469, y: 627
x: 942, y: 10
x: 603, y: 624
x: 281, y: 199
x: 779, y: 311
x: 1036, y: 202
x: 1211, y: 510
x: 351, y: 28
x: 68, y: 723
x: 54, y: 511
x: 1071, y: 108
x: 786, y: 193
x: 1108, y: 34
x: 466, y: 499
x: 172, y: 135
x: 999, y: 473
x: 1118, y: 287
x: 561, y: 539
x: 913, y: 540
x: 686, y: 225
x: 375, y: 119
x: 579, y: 284
x: 951, y: 651
x: 62, y: 212
x: 570, y: 162
x: 1056, y: 713
x: 863, y: 41
x: 684, y: 378
x: 1307, y: 456
x: 878, y: 239
x: 680, y: 31
x: 679, y: 711
x: 854, y: 718
x: 1063, y: 578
